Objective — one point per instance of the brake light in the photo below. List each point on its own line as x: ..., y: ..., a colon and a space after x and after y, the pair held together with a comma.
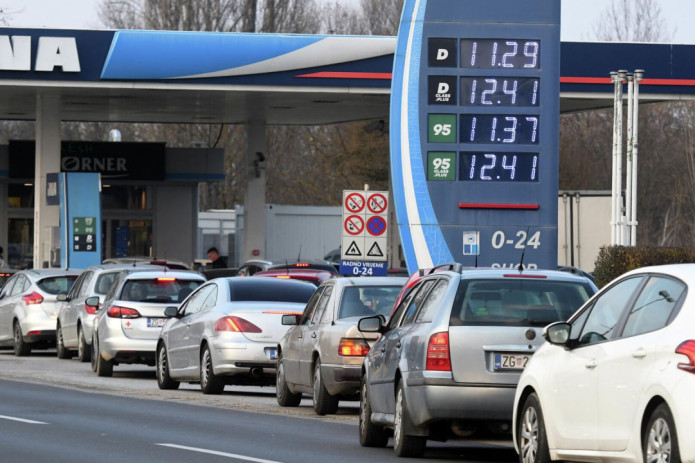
x: 302, y: 264
x: 165, y: 279
x: 122, y: 312
x: 236, y: 324
x: 284, y: 277
x: 33, y: 298
x: 353, y: 347
x: 91, y: 310
x: 438, y: 353
x: 687, y: 348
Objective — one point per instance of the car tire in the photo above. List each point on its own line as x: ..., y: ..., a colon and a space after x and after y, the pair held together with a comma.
x: 210, y: 383
x: 61, y: 351
x: 405, y: 445
x: 84, y: 352
x: 531, y: 434
x: 324, y: 403
x: 284, y: 396
x: 371, y: 435
x: 21, y: 348
x: 164, y: 380
x: 104, y: 367
x: 660, y: 437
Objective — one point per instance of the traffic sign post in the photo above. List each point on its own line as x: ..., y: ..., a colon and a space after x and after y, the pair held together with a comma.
x: 364, y: 243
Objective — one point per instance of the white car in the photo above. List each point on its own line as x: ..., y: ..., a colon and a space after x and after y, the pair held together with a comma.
x: 615, y: 382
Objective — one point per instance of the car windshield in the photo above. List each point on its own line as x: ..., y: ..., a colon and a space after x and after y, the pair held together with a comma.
x: 57, y: 284
x: 367, y: 300
x: 517, y: 301
x: 163, y: 289
x: 269, y: 290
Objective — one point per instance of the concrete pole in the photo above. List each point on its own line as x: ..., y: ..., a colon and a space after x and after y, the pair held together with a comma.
x: 619, y: 172
x: 639, y: 75
x: 614, y: 191
x: 625, y: 230
x: 46, y: 218
x: 254, y: 198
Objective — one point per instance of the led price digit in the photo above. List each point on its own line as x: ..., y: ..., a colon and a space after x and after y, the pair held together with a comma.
x: 484, y: 128
x: 500, y: 53
x: 499, y: 91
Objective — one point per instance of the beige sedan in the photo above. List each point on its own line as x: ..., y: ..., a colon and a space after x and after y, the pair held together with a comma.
x: 322, y: 353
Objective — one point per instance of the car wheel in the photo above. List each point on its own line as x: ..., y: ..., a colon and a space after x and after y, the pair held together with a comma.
x: 660, y: 442
x: 371, y: 435
x: 209, y: 382
x: 21, y: 348
x: 403, y: 444
x: 93, y: 354
x: 164, y: 381
x: 324, y: 403
x: 84, y: 352
x: 284, y: 396
x: 531, y: 435
x: 61, y: 351
x: 103, y: 367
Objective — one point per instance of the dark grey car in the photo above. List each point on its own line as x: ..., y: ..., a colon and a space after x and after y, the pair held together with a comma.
x: 449, y: 359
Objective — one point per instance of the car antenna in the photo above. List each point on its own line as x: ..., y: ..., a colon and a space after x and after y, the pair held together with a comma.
x: 520, y: 267
x: 299, y: 256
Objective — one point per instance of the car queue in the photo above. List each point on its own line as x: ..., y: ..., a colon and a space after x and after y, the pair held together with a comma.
x: 451, y: 352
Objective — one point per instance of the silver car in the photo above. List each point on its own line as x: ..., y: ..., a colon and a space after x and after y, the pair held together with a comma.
x: 322, y: 353
x: 28, y: 308
x: 449, y: 359
x: 127, y: 325
x: 227, y: 332
x: 75, y: 318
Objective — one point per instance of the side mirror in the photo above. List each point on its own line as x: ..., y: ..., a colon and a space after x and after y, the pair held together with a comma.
x: 371, y: 324
x: 290, y: 320
x: 557, y: 333
x: 92, y: 301
x: 61, y: 297
x: 171, y: 311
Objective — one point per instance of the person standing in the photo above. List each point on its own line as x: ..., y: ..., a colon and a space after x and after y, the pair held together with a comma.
x: 217, y: 260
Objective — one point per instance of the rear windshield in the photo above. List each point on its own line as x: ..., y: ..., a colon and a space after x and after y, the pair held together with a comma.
x: 364, y: 301
x: 158, y: 290
x: 517, y: 301
x: 57, y: 284
x: 269, y: 290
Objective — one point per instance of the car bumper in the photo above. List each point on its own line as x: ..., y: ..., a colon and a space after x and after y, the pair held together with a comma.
x: 341, y: 379
x: 435, y: 398
x: 126, y: 350
x: 38, y: 328
x: 242, y: 357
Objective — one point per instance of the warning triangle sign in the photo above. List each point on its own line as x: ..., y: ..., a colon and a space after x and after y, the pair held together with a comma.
x: 353, y: 250
x: 375, y: 251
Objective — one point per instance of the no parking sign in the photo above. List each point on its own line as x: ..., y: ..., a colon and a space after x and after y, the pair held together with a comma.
x: 365, y: 222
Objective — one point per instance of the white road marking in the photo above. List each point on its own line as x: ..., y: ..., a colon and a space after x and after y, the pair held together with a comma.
x: 215, y: 452
x: 12, y: 418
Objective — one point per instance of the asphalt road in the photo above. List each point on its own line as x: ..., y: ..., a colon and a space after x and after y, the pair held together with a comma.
x: 59, y: 411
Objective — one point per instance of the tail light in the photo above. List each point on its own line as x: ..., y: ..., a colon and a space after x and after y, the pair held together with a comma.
x: 438, y: 352
x: 122, y: 312
x: 166, y: 279
x: 236, y: 324
x: 91, y: 310
x: 687, y: 348
x: 33, y: 298
x: 353, y: 347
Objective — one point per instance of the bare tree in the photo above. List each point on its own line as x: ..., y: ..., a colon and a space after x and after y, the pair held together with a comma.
x: 633, y: 21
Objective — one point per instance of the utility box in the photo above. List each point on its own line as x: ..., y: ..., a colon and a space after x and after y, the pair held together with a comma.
x: 584, y: 227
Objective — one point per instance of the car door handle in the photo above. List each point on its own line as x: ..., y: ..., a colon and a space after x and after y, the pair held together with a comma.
x: 313, y: 335
x: 591, y: 365
x: 300, y: 336
x: 398, y: 344
x: 639, y: 354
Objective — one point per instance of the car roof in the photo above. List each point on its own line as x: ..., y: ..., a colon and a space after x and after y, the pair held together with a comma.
x: 147, y: 274
x: 371, y: 281
x: 684, y: 271
x: 47, y: 272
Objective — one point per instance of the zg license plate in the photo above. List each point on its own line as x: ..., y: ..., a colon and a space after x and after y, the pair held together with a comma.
x: 271, y: 353
x: 511, y: 361
x: 156, y: 322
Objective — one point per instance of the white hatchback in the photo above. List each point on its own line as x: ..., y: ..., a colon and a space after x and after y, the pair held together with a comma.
x: 615, y: 383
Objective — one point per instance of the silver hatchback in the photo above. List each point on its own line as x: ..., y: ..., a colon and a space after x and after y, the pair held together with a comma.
x: 28, y: 308
x: 449, y: 359
x: 132, y: 315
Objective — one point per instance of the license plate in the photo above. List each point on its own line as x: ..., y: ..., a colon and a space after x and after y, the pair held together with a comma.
x: 156, y: 322
x: 271, y: 353
x: 511, y: 361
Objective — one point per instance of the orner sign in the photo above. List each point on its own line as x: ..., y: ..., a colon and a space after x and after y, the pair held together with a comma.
x: 51, y: 52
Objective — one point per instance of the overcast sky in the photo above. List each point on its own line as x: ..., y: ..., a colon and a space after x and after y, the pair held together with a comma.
x: 578, y: 16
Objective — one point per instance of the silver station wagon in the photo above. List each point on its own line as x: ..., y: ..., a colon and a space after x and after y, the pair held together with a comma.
x: 449, y: 359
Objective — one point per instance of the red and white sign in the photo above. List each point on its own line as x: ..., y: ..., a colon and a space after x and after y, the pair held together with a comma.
x: 377, y: 203
x: 354, y: 202
x: 353, y: 225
